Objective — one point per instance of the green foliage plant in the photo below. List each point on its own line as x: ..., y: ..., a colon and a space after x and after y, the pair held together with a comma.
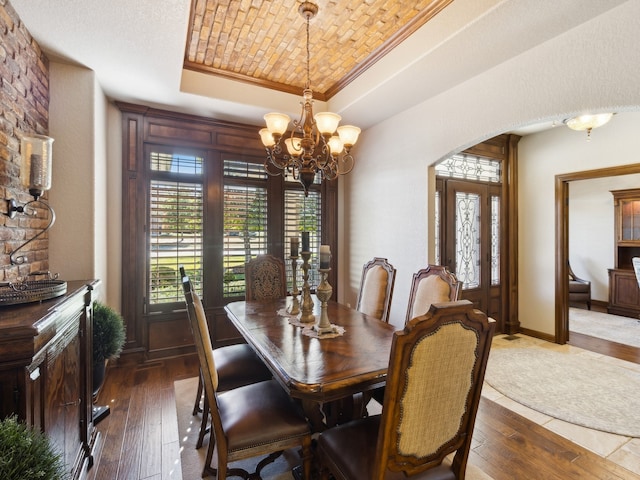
x: 108, y: 333
x: 27, y: 453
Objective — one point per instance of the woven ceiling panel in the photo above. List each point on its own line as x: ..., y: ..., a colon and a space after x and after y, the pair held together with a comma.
x: 264, y: 42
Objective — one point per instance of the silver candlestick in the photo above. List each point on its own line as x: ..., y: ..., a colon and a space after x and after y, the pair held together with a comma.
x: 323, y: 292
x: 294, y: 309
x: 307, y: 303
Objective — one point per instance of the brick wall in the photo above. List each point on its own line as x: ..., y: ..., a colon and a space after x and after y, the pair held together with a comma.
x: 24, y: 109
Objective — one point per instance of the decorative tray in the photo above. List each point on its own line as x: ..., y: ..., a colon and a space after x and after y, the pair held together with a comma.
x: 14, y: 293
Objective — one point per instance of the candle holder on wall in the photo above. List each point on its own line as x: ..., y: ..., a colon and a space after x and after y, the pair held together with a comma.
x: 35, y: 173
x: 295, y: 304
x: 307, y: 302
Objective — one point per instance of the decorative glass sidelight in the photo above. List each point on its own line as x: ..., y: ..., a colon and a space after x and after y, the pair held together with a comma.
x: 495, y: 240
x: 468, y: 239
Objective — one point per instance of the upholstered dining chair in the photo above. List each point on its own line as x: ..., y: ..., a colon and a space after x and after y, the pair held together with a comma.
x: 432, y: 284
x: 434, y: 381
x: 579, y: 289
x: 259, y: 419
x: 376, y: 288
x: 237, y: 365
x: 265, y: 278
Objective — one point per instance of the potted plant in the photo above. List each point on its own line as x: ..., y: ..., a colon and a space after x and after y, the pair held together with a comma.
x: 108, y: 340
x: 27, y: 453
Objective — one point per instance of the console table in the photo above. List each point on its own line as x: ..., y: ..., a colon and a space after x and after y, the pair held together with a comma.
x: 45, y: 370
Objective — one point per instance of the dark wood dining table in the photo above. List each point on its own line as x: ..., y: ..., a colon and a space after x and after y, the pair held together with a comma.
x: 318, y: 371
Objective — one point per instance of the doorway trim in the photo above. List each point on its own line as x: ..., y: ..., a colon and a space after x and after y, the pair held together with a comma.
x: 562, y: 238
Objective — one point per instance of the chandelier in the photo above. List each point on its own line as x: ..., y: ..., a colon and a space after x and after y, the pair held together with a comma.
x: 316, y: 143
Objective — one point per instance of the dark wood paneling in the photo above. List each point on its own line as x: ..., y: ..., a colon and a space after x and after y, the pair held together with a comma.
x: 157, y: 335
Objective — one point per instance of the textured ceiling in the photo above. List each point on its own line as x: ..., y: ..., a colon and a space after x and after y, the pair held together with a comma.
x: 264, y: 42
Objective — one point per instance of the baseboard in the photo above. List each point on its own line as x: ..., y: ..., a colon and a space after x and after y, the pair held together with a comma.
x: 540, y: 335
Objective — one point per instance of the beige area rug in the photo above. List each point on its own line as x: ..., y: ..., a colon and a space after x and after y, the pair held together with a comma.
x: 624, y: 330
x: 579, y: 388
x: 193, y: 460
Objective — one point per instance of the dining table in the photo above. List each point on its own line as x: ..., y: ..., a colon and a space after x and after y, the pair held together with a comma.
x: 322, y: 372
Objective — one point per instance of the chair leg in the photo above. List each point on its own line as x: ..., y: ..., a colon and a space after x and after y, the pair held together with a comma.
x: 221, y: 471
x: 196, y: 405
x: 204, y: 425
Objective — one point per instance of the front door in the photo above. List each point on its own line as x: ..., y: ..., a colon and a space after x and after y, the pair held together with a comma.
x: 471, y: 233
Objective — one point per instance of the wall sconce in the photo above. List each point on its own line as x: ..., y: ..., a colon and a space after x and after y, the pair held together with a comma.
x: 35, y: 173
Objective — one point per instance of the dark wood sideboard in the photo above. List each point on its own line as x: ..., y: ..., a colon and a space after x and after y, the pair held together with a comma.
x: 45, y: 370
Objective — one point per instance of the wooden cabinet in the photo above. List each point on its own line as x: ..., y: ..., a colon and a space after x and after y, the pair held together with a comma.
x: 45, y: 370
x: 624, y: 294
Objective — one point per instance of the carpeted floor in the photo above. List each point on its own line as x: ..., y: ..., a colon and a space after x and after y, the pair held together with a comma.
x: 573, y: 386
x: 614, y: 328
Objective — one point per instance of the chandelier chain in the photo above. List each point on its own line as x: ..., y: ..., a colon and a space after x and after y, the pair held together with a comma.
x: 308, y: 57
x: 316, y: 144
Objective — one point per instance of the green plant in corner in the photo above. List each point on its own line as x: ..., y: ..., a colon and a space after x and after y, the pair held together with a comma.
x: 27, y: 454
x: 108, y: 333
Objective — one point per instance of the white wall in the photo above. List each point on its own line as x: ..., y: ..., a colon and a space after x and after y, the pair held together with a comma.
x: 77, y: 122
x: 595, y: 66
x: 542, y: 157
x: 591, y: 219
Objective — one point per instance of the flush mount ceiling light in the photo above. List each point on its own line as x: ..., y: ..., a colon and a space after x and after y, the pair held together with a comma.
x: 313, y: 145
x: 588, y: 122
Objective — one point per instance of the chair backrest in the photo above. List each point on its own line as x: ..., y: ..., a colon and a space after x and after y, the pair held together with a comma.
x: 200, y: 330
x: 434, y: 381
x: 433, y: 284
x: 376, y: 288
x: 265, y: 278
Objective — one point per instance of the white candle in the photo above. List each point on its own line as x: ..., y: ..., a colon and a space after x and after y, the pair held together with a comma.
x: 325, y: 256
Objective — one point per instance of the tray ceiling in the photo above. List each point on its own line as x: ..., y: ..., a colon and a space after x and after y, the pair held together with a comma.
x: 264, y: 42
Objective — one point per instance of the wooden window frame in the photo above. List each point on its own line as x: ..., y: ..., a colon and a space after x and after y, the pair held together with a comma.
x: 165, y: 333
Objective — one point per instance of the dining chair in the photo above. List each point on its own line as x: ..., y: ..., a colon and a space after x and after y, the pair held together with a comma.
x: 376, y: 288
x: 265, y: 278
x: 432, y: 284
x: 237, y: 365
x: 434, y: 381
x: 259, y: 419
x: 579, y: 289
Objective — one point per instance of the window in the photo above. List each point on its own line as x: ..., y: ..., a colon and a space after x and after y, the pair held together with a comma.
x: 303, y: 214
x: 195, y: 193
x: 175, y: 225
x: 470, y: 167
x: 245, y: 221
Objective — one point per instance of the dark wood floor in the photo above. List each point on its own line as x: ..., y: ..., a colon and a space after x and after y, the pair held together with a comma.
x: 140, y: 440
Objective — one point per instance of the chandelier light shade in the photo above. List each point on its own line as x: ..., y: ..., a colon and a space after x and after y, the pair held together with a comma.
x: 316, y: 143
x: 588, y: 122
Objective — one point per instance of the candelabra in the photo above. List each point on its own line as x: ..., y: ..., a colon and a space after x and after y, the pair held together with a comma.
x: 323, y: 292
x: 307, y: 302
x: 295, y: 304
